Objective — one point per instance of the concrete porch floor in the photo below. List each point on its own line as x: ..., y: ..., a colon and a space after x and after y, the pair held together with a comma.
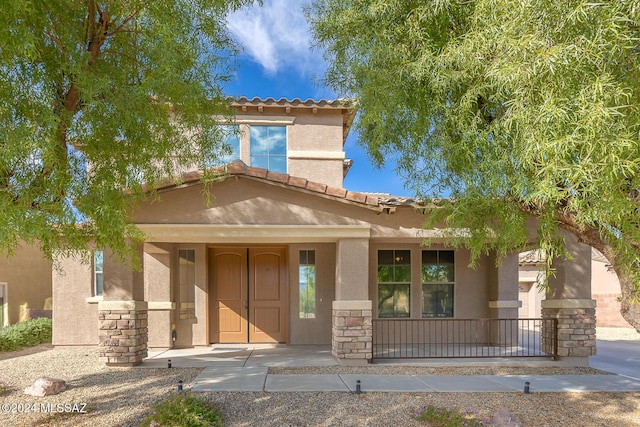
x: 245, y: 367
x: 242, y: 355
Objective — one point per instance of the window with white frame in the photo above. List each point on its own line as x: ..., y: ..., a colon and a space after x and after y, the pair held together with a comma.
x: 438, y: 280
x: 231, y: 143
x: 307, y: 284
x: 98, y: 273
x: 394, y: 283
x: 268, y: 147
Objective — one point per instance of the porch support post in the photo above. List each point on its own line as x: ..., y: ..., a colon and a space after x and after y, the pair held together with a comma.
x: 503, y: 301
x: 569, y: 301
x: 122, y: 315
x: 352, y: 330
x: 157, y: 288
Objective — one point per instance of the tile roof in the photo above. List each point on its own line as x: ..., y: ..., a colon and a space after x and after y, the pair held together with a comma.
x: 239, y: 168
x: 538, y: 256
x: 296, y: 102
x: 347, y: 106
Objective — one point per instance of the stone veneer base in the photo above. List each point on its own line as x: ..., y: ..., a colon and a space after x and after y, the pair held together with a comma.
x: 122, y: 332
x: 352, y: 332
x: 576, y: 326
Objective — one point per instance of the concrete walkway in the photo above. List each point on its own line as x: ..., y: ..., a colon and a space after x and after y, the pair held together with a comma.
x: 245, y: 368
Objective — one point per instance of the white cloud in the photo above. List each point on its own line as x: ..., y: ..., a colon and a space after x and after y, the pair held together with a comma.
x: 276, y: 35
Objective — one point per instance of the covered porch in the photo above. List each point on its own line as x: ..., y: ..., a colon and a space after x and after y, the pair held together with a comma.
x: 208, y: 268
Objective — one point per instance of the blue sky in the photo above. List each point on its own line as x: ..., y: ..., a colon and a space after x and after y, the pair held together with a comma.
x: 277, y: 61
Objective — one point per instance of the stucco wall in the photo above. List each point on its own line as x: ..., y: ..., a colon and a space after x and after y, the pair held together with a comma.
x: 314, y: 141
x: 326, y: 171
x: 157, y: 290
x: 245, y: 202
x: 605, y: 289
x: 242, y: 201
x: 315, y: 146
x: 319, y: 131
x: 75, y: 319
x: 27, y: 274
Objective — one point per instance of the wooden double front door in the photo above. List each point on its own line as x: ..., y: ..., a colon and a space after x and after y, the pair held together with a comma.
x: 247, y: 288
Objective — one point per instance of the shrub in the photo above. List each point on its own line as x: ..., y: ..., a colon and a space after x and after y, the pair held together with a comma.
x: 448, y: 417
x: 25, y: 334
x: 185, y: 410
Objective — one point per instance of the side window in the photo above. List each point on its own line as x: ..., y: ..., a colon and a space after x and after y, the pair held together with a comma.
x: 438, y: 279
x: 98, y: 272
x: 231, y: 142
x: 394, y: 283
x: 268, y: 147
x: 187, y: 283
x: 307, y: 284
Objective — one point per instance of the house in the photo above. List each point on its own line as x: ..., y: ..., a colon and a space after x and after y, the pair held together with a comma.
x: 25, y: 285
x: 605, y: 288
x: 284, y: 253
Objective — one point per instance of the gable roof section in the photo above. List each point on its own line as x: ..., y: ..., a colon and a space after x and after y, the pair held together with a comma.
x: 239, y: 169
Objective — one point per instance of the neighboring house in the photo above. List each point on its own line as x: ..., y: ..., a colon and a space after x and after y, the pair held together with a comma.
x: 25, y: 285
x: 285, y: 254
x: 605, y: 288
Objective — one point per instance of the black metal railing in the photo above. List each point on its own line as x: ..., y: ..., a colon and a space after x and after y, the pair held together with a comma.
x: 453, y: 338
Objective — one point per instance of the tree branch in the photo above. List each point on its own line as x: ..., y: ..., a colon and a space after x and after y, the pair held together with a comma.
x: 126, y: 20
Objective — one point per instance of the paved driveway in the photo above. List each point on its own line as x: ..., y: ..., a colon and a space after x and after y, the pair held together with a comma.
x: 618, y: 356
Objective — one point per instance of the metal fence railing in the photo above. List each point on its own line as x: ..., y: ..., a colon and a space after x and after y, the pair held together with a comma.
x: 453, y: 338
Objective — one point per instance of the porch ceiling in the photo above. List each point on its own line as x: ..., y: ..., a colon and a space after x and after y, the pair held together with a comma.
x: 224, y: 233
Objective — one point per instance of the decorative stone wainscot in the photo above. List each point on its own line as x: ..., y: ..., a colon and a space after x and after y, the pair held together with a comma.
x: 576, y: 326
x: 123, y: 332
x: 352, y: 332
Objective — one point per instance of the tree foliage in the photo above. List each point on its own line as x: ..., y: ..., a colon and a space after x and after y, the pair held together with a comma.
x: 510, y: 108
x: 130, y: 88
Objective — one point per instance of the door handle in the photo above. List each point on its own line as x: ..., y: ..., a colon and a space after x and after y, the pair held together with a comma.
x: 246, y: 305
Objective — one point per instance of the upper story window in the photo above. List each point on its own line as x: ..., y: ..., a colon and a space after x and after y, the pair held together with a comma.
x: 268, y: 147
x: 231, y: 140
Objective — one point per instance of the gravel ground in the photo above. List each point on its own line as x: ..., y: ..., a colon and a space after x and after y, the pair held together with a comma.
x: 123, y: 396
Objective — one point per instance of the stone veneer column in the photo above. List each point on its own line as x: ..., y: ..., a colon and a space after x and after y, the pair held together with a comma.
x: 122, y: 332
x: 568, y: 299
x: 352, y: 332
x: 576, y: 327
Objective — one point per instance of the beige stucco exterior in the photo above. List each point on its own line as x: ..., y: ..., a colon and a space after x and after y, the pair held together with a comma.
x: 245, y: 211
x: 315, y: 135
x: 605, y: 289
x: 25, y: 278
x: 272, y: 214
x: 75, y: 307
x: 254, y: 218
